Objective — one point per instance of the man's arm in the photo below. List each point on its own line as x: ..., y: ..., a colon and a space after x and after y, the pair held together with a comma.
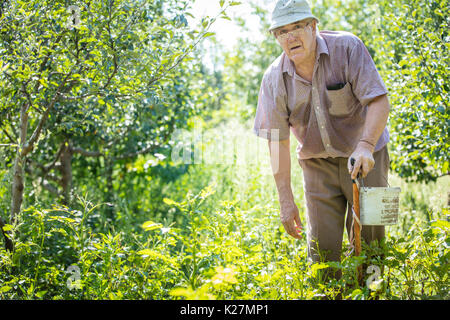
x: 376, y: 119
x: 280, y: 160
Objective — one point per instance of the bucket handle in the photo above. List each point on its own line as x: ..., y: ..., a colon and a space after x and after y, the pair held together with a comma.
x: 352, y: 162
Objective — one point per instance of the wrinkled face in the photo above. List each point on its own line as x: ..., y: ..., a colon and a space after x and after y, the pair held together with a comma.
x: 298, y: 40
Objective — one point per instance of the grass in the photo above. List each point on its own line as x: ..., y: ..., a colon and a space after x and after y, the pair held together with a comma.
x: 214, y: 233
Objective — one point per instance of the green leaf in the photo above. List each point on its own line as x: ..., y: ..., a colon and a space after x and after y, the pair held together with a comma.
x: 5, y: 289
x: 436, y: 11
x: 225, y: 16
x: 30, y: 290
x: 208, y: 34
x: 4, y: 67
x: 356, y: 294
x: 40, y: 294
x: 7, y: 227
x: 150, y: 225
x: 316, y: 267
x: 146, y: 252
x: 442, y: 224
x: 169, y: 202
x: 179, y: 292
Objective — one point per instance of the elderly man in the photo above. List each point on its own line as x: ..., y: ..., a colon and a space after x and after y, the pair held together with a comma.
x: 326, y: 90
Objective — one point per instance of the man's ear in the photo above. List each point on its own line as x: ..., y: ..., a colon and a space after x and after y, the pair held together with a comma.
x: 314, y: 26
x: 272, y: 32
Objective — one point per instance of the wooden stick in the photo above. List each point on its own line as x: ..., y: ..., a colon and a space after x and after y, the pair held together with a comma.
x: 356, y: 225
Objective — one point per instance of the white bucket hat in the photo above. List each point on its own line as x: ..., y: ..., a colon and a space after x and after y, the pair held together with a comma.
x: 289, y: 11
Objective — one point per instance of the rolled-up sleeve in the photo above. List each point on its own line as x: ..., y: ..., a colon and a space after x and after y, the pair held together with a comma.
x: 363, y: 74
x: 272, y: 117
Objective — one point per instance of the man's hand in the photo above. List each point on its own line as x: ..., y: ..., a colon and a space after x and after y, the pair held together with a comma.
x: 364, y: 161
x: 290, y: 218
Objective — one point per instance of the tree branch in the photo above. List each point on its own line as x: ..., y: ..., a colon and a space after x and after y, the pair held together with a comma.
x: 86, y: 153
x: 49, y: 187
x: 35, y: 136
x: 49, y: 166
x: 45, y: 184
x: 136, y: 153
x: 9, y: 137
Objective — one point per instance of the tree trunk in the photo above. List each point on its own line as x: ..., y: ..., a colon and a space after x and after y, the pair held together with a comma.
x: 109, y: 163
x: 18, y: 170
x: 66, y: 173
x: 17, y: 187
x: 8, y: 242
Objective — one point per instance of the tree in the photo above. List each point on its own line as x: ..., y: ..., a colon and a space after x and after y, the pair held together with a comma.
x: 77, y: 79
x: 415, y: 55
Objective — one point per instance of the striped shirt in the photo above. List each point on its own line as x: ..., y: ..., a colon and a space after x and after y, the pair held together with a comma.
x: 326, y: 115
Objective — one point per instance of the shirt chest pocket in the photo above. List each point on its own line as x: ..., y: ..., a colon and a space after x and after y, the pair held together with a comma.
x: 341, y: 102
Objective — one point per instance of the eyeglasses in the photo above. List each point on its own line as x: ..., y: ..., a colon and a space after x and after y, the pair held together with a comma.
x: 298, y: 31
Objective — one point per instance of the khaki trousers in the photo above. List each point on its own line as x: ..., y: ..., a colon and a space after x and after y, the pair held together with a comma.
x: 329, y: 197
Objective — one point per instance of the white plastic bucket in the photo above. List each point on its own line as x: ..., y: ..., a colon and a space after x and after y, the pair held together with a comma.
x: 379, y: 206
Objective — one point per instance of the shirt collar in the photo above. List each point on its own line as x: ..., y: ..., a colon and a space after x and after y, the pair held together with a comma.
x: 288, y: 65
x: 321, y: 46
